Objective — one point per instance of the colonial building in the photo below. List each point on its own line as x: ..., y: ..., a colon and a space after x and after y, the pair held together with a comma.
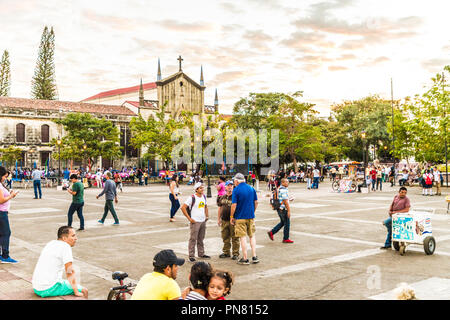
x: 28, y: 123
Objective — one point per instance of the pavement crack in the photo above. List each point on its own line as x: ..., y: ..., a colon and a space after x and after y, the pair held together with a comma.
x: 329, y: 286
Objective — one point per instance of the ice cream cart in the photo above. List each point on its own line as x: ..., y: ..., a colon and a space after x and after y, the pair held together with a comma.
x: 413, y: 227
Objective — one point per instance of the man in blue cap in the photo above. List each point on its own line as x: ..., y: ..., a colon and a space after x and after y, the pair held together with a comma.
x: 230, y: 241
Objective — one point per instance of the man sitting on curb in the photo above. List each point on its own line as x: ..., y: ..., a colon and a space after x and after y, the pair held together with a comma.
x: 55, y: 258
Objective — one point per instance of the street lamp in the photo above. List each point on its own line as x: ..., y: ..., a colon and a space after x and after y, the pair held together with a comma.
x: 363, y: 137
x: 84, y: 148
x: 208, y: 190
x: 58, y: 142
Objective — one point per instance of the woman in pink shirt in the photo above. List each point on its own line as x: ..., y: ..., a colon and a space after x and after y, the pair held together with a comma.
x: 220, y: 190
x: 5, y: 231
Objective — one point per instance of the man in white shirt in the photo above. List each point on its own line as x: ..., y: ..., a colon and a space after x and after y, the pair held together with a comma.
x: 437, y: 180
x: 196, y: 211
x: 98, y: 178
x: 36, y: 176
x: 55, y: 258
x: 316, y: 174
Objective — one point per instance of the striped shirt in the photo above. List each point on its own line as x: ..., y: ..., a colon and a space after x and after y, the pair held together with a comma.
x: 195, y: 296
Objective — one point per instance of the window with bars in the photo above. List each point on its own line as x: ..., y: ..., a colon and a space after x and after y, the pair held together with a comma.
x: 20, y: 132
x: 45, y: 133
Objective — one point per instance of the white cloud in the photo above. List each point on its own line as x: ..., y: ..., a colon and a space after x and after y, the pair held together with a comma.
x: 326, y: 48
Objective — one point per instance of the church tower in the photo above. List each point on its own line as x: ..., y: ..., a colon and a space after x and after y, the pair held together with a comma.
x: 216, y: 102
x: 158, y: 77
x: 202, y: 82
x: 141, y: 95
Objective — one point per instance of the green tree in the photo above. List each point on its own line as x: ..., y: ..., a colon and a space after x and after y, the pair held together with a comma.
x: 332, y: 137
x: 405, y: 136
x: 369, y: 114
x: 100, y: 136
x: 10, y: 154
x: 300, y: 139
x: 154, y: 134
x: 429, y: 120
x: 254, y: 111
x: 43, y: 84
x: 5, y: 75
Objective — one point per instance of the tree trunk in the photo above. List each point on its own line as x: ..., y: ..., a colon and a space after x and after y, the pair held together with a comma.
x: 295, y: 164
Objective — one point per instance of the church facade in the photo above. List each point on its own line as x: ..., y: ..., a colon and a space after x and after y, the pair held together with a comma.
x: 177, y: 92
x: 28, y: 123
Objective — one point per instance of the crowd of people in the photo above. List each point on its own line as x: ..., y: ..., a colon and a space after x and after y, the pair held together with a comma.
x: 237, y: 203
x: 312, y: 176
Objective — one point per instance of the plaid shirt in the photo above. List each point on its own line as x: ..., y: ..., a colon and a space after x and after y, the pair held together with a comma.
x: 283, y: 195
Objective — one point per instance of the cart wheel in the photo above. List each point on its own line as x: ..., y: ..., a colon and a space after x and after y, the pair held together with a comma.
x: 402, y: 248
x: 429, y: 245
x: 396, y: 245
x: 335, y: 186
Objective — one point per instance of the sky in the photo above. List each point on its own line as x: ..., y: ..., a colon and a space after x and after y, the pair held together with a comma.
x: 331, y: 50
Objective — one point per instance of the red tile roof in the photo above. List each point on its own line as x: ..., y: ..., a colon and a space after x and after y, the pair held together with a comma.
x: 110, y: 93
x: 146, y: 104
x: 66, y: 106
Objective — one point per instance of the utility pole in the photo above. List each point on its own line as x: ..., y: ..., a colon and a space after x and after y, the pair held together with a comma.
x: 393, y: 130
x: 445, y: 127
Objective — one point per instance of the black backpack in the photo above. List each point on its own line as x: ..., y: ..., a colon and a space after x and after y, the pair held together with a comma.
x: 274, y: 201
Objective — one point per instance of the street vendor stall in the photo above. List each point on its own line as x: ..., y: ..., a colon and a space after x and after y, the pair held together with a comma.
x: 413, y: 227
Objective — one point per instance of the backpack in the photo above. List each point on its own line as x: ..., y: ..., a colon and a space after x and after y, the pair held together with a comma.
x: 274, y: 201
x: 428, y: 179
x: 189, y: 209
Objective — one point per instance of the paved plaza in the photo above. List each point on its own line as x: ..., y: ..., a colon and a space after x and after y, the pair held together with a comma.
x: 336, y: 252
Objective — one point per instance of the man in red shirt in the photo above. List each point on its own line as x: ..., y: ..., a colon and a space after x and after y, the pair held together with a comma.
x: 373, y: 175
x: 400, y: 204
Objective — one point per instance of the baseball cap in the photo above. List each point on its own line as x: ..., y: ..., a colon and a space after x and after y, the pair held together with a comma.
x: 167, y: 258
x: 239, y: 176
x: 198, y: 185
x: 228, y: 183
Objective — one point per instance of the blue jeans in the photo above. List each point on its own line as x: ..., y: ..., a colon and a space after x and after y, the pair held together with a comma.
x: 37, y: 186
x: 316, y: 183
x: 78, y: 207
x: 388, y: 224
x: 284, y: 222
x: 175, y: 205
x: 5, y: 234
x: 374, y: 181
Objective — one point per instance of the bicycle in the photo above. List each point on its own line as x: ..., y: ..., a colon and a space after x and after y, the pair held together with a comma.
x: 120, y: 292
